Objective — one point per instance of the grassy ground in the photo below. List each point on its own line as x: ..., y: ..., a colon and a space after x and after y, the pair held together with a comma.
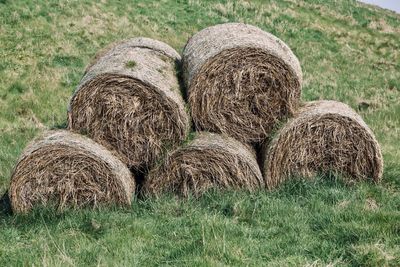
x: 349, y: 52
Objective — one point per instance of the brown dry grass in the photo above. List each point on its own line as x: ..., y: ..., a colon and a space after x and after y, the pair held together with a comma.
x: 65, y: 169
x: 241, y: 80
x: 324, y: 136
x: 209, y: 161
x: 129, y: 100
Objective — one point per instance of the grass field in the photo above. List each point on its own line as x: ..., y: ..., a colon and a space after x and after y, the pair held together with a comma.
x: 349, y: 52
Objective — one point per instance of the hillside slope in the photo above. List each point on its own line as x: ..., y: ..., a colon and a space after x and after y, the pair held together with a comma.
x: 349, y: 52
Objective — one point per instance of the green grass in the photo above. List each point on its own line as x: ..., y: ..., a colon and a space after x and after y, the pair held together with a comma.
x: 348, y: 51
x: 130, y: 64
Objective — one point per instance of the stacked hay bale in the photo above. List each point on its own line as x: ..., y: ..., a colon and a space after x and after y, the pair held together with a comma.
x: 130, y: 100
x: 323, y: 137
x: 240, y: 81
x: 69, y: 170
x: 208, y: 161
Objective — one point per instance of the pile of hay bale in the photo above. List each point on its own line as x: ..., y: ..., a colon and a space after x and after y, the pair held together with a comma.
x: 243, y: 125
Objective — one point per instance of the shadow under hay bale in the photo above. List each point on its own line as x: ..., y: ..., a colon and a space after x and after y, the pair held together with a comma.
x: 66, y: 169
x: 208, y: 161
x: 323, y: 137
x: 240, y: 80
x: 5, y: 204
x: 130, y: 100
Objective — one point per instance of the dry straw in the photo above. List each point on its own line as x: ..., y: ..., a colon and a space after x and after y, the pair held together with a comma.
x: 208, y: 161
x: 324, y: 136
x: 241, y: 80
x: 129, y: 100
x: 66, y: 169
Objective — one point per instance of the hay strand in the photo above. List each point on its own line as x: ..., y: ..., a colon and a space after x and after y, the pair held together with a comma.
x: 130, y: 100
x: 68, y: 170
x: 208, y: 161
x: 241, y: 80
x: 324, y: 136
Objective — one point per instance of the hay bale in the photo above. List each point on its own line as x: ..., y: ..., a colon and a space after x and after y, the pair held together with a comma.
x: 130, y: 100
x: 208, y: 161
x: 324, y: 136
x: 241, y: 80
x: 66, y: 169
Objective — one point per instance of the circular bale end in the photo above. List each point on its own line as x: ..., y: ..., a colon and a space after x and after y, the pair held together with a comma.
x: 130, y: 100
x: 323, y: 137
x: 208, y: 161
x: 68, y: 170
x: 241, y: 80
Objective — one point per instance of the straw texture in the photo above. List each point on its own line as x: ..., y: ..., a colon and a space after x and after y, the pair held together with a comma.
x: 240, y: 80
x: 208, y: 161
x: 68, y: 170
x: 129, y: 100
x: 324, y: 136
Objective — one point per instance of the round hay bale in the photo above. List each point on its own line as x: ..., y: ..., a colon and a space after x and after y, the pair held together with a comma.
x: 323, y: 137
x: 66, y: 169
x: 241, y: 80
x: 208, y: 161
x: 130, y: 100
